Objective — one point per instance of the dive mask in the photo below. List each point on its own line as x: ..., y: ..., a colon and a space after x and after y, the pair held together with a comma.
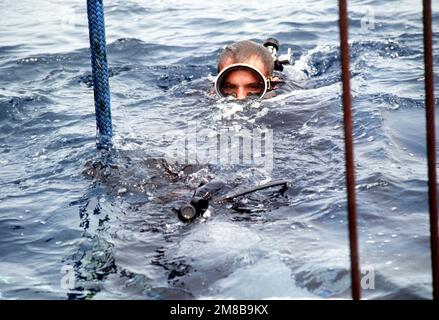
x: 257, y: 88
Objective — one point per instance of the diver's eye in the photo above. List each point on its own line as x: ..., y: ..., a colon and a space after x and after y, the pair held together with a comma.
x: 255, y: 86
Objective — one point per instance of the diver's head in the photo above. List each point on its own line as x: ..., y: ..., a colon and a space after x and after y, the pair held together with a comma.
x: 244, y: 70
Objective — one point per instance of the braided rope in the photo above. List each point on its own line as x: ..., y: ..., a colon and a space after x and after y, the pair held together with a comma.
x: 96, y: 26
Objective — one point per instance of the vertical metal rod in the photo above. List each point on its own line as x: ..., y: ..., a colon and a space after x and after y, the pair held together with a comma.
x: 349, y: 151
x: 431, y: 144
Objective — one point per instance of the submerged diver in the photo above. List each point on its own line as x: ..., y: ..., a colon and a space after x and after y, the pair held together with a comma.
x: 245, y: 69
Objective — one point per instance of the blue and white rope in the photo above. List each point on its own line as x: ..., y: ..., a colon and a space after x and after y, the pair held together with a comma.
x: 99, y: 63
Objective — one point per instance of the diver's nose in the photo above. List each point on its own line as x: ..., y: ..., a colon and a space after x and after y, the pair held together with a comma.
x: 241, y: 94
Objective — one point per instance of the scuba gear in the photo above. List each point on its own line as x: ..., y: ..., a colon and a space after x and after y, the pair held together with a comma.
x: 282, y: 183
x: 273, y: 46
x: 201, y: 197
x: 257, y: 88
x: 200, y: 201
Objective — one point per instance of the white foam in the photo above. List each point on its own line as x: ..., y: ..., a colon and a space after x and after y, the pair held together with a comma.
x: 266, y: 279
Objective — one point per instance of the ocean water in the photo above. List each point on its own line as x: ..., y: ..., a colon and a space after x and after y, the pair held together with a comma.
x: 106, y: 221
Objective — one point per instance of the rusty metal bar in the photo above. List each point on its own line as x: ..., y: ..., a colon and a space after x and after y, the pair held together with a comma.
x: 349, y: 150
x: 431, y: 144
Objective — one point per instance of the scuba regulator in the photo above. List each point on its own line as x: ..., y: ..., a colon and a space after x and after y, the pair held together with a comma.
x: 279, y: 60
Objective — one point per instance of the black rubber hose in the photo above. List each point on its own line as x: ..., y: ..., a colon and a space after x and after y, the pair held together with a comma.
x: 283, y: 183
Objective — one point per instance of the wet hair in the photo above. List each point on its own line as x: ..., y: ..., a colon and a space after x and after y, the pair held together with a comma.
x: 243, y: 51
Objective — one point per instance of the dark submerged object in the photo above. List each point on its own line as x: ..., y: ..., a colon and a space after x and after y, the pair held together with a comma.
x: 206, y: 192
x: 200, y: 201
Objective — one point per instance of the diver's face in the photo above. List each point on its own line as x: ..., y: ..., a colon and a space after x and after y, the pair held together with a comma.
x: 242, y: 84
